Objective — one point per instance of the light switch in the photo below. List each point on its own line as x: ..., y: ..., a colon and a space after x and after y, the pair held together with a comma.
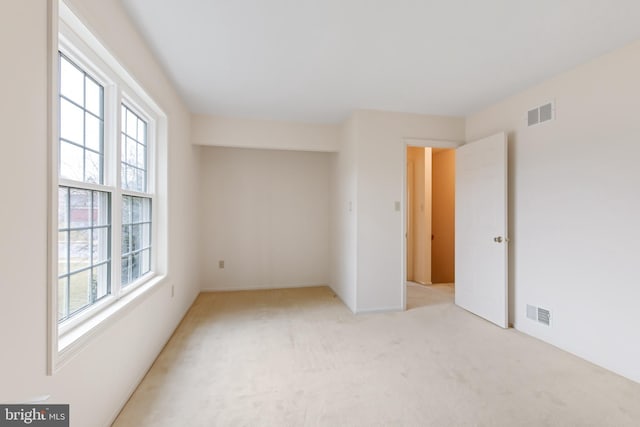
x: 397, y: 203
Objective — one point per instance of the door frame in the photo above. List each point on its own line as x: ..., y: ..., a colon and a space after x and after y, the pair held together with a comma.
x: 413, y: 142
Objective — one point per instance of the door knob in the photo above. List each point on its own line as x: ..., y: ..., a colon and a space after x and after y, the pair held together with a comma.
x: 498, y: 239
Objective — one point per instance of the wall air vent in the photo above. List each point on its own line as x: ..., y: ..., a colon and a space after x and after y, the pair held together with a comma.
x: 540, y: 315
x: 544, y: 316
x: 541, y: 114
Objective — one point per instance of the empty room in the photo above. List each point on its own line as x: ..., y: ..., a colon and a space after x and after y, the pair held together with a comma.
x: 322, y: 213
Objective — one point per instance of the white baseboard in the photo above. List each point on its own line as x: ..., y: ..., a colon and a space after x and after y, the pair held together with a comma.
x: 256, y: 287
x: 377, y: 310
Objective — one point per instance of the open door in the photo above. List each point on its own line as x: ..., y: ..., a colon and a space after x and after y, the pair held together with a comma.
x: 481, y: 229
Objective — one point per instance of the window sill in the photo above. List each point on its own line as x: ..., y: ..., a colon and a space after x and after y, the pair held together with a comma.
x: 75, y: 339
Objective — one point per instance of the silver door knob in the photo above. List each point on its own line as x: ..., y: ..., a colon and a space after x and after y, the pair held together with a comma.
x: 498, y: 239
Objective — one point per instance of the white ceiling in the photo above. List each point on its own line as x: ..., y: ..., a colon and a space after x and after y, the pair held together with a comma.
x: 317, y: 60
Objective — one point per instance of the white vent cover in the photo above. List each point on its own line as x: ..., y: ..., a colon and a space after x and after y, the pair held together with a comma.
x: 538, y: 314
x: 544, y: 316
x: 541, y: 114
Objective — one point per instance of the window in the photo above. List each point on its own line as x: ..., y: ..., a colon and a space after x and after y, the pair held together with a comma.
x: 134, y: 151
x: 84, y: 249
x: 86, y: 198
x: 81, y: 125
x: 136, y: 238
x: 106, y: 250
x: 136, y: 211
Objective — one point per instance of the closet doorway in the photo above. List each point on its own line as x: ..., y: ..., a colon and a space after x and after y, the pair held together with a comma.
x: 430, y: 215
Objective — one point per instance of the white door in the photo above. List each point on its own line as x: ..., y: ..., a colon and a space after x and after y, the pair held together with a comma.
x: 481, y: 228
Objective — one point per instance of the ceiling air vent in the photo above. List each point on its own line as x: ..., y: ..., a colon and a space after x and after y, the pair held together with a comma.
x: 540, y: 114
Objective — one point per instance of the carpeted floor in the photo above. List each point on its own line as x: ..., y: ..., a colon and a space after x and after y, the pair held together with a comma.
x: 299, y: 357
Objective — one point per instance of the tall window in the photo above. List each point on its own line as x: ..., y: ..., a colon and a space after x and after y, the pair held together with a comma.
x: 136, y: 211
x: 105, y: 196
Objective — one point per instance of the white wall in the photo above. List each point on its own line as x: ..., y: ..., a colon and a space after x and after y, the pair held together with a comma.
x: 266, y: 214
x: 380, y: 175
x: 344, y: 173
x: 270, y: 134
x: 97, y: 382
x: 575, y: 185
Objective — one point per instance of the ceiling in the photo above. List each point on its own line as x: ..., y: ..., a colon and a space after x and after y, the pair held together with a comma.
x: 317, y: 60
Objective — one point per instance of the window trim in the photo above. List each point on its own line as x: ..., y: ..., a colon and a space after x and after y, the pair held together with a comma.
x: 70, y: 36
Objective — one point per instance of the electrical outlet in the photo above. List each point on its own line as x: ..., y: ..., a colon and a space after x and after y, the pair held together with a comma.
x: 221, y: 264
x: 172, y: 291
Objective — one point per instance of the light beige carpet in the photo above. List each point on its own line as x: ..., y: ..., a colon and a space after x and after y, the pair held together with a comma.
x: 299, y: 358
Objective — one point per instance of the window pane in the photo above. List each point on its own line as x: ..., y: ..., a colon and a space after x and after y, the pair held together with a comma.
x: 92, y: 167
x: 101, y: 211
x: 131, y: 179
x: 146, y: 235
x: 136, y: 237
x: 126, y: 209
x: 63, y: 217
x: 141, y: 156
x: 123, y: 176
x: 71, y: 81
x: 83, y: 246
x: 141, y: 183
x: 134, y: 152
x: 145, y: 261
x: 136, y: 209
x: 142, y: 132
x: 135, y: 266
x: 126, y: 271
x: 132, y: 124
x: 63, y: 248
x: 71, y: 122
x: 71, y: 161
x: 79, y: 249
x: 92, y: 132
x: 79, y: 126
x: 100, y: 245
x: 100, y: 282
x: 93, y: 97
x: 146, y: 210
x: 79, y: 290
x: 130, y: 155
x: 62, y: 297
x: 126, y: 239
x: 80, y: 208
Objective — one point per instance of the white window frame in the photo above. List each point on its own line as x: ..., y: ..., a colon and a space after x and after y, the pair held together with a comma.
x: 70, y: 36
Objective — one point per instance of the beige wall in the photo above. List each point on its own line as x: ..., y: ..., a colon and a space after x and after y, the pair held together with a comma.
x: 267, y: 134
x: 343, y: 217
x: 381, y: 151
x: 443, y: 216
x: 574, y: 208
x: 266, y: 214
x: 419, y: 214
x: 98, y: 380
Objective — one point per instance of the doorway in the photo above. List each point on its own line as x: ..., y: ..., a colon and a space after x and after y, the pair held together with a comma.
x: 429, y: 214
